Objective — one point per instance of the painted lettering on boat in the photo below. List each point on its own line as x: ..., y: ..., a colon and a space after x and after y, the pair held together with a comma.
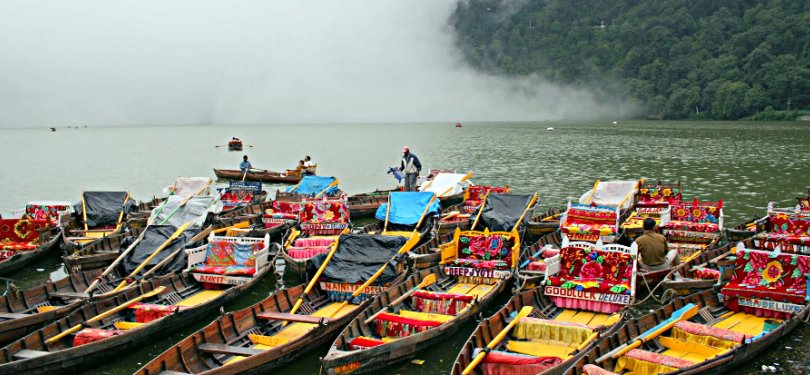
x: 770, y: 305
x: 218, y: 279
x: 477, y: 272
x: 347, y: 368
x: 622, y: 299
x: 311, y: 226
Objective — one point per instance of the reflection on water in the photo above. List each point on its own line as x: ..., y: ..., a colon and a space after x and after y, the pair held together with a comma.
x: 745, y: 164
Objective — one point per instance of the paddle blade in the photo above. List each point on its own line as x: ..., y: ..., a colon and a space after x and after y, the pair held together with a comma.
x: 428, y: 281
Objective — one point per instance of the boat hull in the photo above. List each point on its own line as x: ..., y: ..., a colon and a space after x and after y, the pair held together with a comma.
x: 235, y: 174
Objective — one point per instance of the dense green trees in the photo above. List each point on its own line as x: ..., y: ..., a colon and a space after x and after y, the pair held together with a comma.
x: 722, y: 59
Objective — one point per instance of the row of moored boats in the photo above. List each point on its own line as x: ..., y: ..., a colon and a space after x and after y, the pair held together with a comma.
x: 382, y: 293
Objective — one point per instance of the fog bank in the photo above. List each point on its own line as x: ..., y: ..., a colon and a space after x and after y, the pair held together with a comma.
x: 235, y: 62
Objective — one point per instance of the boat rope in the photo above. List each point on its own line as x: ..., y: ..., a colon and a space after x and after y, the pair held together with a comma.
x: 664, y: 297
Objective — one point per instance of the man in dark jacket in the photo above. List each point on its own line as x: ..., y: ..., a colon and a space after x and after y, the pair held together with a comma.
x: 411, y: 166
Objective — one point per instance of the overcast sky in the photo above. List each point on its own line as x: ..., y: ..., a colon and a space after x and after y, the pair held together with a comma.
x: 232, y: 62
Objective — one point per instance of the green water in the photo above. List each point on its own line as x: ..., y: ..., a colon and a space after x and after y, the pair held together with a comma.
x: 745, y: 164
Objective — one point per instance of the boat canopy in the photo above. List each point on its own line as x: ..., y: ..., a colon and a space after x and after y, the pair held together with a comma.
x: 104, y: 207
x: 154, y: 236
x: 314, y: 185
x: 359, y: 256
x: 445, y: 184
x: 502, y: 211
x: 407, y: 207
x: 186, y: 186
x: 611, y: 193
x: 195, y: 210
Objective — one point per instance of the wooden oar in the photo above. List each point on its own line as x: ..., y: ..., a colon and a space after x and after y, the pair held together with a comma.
x: 480, y: 210
x: 528, y: 207
x: 524, y: 312
x: 427, y: 208
x: 105, y: 314
x: 630, y: 194
x: 239, y: 225
x: 123, y: 208
x: 404, y: 249
x: 334, y: 183
x: 162, y: 263
x: 160, y: 248
x: 387, y: 212
x: 593, y: 191
x: 115, y: 263
x: 450, y: 214
x: 84, y: 211
x: 426, y: 282
x: 683, y: 313
x: 315, y: 278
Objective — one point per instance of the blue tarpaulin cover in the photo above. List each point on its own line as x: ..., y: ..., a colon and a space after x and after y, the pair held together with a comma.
x: 407, y: 207
x: 311, y: 185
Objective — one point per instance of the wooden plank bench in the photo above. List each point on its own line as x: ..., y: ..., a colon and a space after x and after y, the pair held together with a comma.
x: 269, y: 315
x: 228, y: 349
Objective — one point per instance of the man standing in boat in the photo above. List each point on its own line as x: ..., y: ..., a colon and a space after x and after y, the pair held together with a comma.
x: 411, y: 166
x: 652, y: 247
x: 245, y: 164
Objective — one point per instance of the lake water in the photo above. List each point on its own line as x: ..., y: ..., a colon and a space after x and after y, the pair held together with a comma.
x: 746, y: 164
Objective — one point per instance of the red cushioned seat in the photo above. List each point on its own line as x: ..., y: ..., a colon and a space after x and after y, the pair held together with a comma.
x: 226, y: 271
x: 765, y: 275
x: 691, y: 226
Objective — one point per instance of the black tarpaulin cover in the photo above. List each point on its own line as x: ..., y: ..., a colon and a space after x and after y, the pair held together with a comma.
x: 104, y: 207
x: 155, y: 236
x: 358, y: 257
x: 502, y: 211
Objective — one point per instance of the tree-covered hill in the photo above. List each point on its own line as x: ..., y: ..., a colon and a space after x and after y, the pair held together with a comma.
x: 722, y: 59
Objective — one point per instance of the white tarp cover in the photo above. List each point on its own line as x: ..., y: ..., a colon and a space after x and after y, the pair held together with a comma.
x: 195, y: 210
x: 185, y: 186
x: 444, y: 184
x: 611, y: 193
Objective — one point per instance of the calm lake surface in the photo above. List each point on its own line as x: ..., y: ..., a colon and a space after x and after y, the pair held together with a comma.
x: 746, y: 164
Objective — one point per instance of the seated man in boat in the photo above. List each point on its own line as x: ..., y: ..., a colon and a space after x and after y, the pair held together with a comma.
x: 302, y: 165
x: 308, y: 164
x: 411, y: 166
x: 652, y: 247
x: 245, y: 164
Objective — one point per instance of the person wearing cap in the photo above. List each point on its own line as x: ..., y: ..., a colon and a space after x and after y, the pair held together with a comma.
x: 411, y: 166
x: 653, y: 251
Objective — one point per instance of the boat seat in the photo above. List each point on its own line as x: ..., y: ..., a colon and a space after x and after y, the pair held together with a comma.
x: 228, y: 349
x: 28, y: 354
x: 442, y: 318
x: 362, y: 342
x: 539, y: 349
x: 390, y: 325
x: 127, y: 325
x: 271, y: 315
x: 636, y: 359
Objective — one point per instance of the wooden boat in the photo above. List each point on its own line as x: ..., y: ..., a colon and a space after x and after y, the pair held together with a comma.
x: 24, y: 311
x: 322, y: 222
x: 429, y: 307
x: 585, y: 330
x: 429, y: 254
x: 692, y: 335
x: 532, y: 267
x: 258, y: 338
x: 235, y: 145
x: 101, y: 253
x: 23, y: 241
x: 364, y: 205
x: 691, y: 229
x: 101, y: 214
x: 654, y: 201
x: 180, y: 300
x: 544, y: 223
x: 710, y: 268
x: 268, y: 176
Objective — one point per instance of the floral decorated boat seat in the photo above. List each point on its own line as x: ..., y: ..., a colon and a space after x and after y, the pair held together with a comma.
x: 324, y: 216
x: 659, y: 194
x: 591, y: 279
x: 236, y: 198
x: 50, y: 212
x: 19, y: 235
x: 280, y: 212
x: 441, y: 303
x: 590, y: 223
x: 695, y: 222
x: 474, y: 196
x: 785, y: 229
x: 767, y: 284
x: 231, y: 259
x: 485, y: 254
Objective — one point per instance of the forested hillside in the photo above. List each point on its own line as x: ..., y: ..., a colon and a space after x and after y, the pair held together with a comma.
x: 720, y: 59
